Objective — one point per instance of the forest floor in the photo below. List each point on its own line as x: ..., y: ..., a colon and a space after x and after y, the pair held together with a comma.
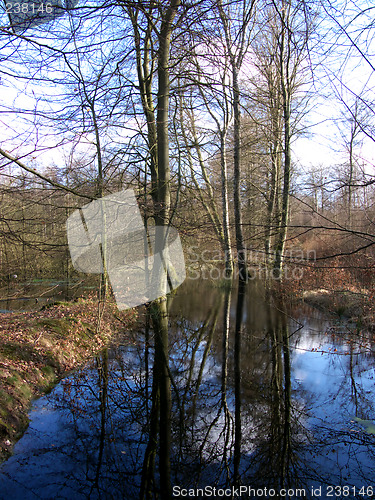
x: 38, y: 348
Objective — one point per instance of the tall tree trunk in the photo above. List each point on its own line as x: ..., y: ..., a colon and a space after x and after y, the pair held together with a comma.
x: 284, y: 219
x: 271, y: 202
x: 284, y: 62
x: 209, y: 205
x: 225, y: 226
x: 275, y: 155
x: 236, y: 47
x: 225, y: 207
x: 158, y: 144
x: 160, y: 316
x: 241, y: 254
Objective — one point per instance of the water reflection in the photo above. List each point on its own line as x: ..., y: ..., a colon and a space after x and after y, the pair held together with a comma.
x: 248, y: 393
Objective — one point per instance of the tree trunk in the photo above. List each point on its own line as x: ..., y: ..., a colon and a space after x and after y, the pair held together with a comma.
x: 284, y: 62
x: 241, y: 254
x: 158, y: 143
x: 225, y: 209
x: 279, y: 251
x: 160, y: 315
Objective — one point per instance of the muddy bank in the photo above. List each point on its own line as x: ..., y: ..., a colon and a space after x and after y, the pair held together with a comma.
x: 353, y: 305
x: 38, y: 348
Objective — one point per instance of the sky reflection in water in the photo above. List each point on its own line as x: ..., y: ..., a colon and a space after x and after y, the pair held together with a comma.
x: 303, y: 380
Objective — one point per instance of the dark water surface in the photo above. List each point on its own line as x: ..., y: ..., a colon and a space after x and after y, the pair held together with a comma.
x: 264, y: 396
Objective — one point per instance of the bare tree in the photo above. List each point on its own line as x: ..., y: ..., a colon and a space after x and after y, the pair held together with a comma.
x: 237, y: 20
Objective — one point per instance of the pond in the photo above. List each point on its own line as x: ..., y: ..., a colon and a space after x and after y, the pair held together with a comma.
x: 268, y: 401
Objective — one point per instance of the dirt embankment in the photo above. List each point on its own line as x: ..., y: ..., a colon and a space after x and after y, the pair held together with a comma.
x: 344, y: 303
x: 38, y: 348
x: 356, y: 306
x: 341, y: 286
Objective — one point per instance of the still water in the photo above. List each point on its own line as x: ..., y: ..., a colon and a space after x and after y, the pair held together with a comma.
x: 264, y: 396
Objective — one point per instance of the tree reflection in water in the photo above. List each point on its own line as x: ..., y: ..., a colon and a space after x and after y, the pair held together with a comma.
x: 256, y: 398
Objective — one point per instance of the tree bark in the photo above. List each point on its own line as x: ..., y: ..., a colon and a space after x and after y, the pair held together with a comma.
x: 160, y: 316
x: 285, y: 82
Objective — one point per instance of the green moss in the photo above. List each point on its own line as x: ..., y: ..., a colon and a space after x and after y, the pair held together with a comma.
x: 48, y: 371
x: 18, y: 351
x: 23, y: 390
x: 48, y: 378
x: 5, y: 400
x: 53, y: 304
x: 89, y: 330
x: 59, y: 326
x: 13, y: 380
x: 11, y: 351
